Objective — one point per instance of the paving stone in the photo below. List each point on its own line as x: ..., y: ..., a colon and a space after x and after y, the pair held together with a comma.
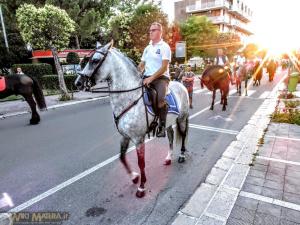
x: 265, y: 219
x: 290, y: 215
x: 233, y: 221
x: 247, y: 203
x: 183, y: 219
x: 255, y: 180
x: 272, y: 193
x: 274, y: 177
x: 277, y: 165
x: 262, y: 161
x: 216, y: 176
x: 252, y: 188
x: 257, y: 173
x: 293, y: 167
x: 290, y: 197
x: 222, y: 202
x: 291, y: 188
x: 274, y: 184
x: 205, y: 220
x: 199, y: 200
x: 260, y: 167
x: 224, y: 163
x: 286, y: 222
x: 243, y: 214
x: 293, y: 156
x: 276, y: 171
x: 236, y: 176
x: 279, y: 155
x: 269, y: 209
x: 293, y: 173
x: 232, y: 152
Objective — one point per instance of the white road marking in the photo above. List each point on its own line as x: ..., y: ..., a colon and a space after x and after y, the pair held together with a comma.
x: 220, y: 130
x: 81, y: 175
x: 273, y: 201
x: 279, y: 160
x: 251, y: 92
x: 232, y: 91
x: 265, y: 94
x: 200, y: 91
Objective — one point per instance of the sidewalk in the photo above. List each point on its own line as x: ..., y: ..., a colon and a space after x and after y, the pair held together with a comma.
x: 267, y: 192
x: 11, y: 108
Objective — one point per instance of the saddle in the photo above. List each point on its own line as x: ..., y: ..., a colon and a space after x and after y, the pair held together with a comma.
x: 151, y: 101
x: 2, y: 83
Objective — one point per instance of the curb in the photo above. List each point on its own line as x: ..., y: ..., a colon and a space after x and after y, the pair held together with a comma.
x: 213, y: 201
x: 102, y: 100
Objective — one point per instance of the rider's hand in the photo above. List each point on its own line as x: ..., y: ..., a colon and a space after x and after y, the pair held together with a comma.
x: 147, y: 81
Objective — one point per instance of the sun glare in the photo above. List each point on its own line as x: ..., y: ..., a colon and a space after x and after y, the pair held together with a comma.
x: 275, y: 25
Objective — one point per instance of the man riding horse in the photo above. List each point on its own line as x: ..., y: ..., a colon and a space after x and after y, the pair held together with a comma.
x: 155, y: 65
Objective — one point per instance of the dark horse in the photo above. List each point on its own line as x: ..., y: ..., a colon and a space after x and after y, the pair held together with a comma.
x: 216, y: 77
x: 25, y: 86
x: 244, y: 73
x: 258, y: 72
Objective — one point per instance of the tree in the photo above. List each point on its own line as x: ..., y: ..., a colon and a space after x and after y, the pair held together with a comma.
x: 231, y: 42
x: 72, y: 58
x: 44, y: 28
x: 250, y: 50
x: 129, y: 28
x: 198, y: 31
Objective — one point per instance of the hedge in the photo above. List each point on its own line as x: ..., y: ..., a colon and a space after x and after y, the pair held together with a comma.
x: 36, y: 70
x: 51, y: 81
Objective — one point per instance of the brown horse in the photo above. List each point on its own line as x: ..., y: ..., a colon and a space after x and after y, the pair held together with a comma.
x: 25, y: 86
x: 216, y: 77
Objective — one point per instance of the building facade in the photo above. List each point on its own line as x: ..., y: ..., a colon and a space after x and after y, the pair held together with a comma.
x: 229, y: 15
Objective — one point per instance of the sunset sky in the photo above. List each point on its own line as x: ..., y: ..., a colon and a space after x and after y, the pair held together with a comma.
x: 274, y: 22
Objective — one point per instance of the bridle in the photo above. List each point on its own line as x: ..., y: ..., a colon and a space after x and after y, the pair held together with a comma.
x: 92, y: 78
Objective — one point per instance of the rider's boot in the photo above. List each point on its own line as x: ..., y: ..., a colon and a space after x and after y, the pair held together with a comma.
x: 162, y: 121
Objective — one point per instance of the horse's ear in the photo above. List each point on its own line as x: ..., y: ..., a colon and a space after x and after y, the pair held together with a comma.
x: 111, y: 44
x: 108, y: 46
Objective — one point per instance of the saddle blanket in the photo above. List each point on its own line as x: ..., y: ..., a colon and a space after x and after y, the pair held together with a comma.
x: 171, y: 101
x: 2, y: 83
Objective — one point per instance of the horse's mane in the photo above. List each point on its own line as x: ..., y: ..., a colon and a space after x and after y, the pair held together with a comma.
x: 129, y: 60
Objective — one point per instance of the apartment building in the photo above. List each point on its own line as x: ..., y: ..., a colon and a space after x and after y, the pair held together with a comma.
x: 229, y: 15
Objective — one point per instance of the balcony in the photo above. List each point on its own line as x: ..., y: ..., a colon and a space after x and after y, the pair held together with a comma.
x: 198, y: 7
x: 219, y: 19
x: 240, y: 26
x: 239, y: 13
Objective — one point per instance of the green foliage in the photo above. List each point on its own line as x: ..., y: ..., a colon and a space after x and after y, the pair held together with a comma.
x: 72, y: 58
x: 129, y: 28
x: 198, y: 31
x: 292, y: 118
x: 250, y: 50
x: 36, y: 70
x: 45, y: 27
x: 51, y: 82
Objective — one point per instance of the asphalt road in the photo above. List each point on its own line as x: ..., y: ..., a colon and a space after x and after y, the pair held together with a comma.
x: 74, y: 139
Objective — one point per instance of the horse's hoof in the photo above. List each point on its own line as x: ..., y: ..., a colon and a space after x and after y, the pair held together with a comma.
x: 135, y: 177
x: 211, y: 108
x: 224, y: 109
x: 181, y: 159
x: 140, y: 193
x: 34, y: 122
x: 167, y: 162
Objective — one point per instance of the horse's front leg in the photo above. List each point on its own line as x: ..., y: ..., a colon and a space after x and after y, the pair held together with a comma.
x: 170, y: 133
x: 213, y: 100
x: 140, y: 149
x: 246, y: 86
x: 124, y: 146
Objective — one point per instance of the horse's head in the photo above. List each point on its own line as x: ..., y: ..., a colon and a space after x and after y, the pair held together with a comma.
x: 95, y: 69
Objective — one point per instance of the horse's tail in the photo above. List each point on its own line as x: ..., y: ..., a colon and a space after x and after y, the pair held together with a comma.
x: 181, y: 133
x: 38, y: 94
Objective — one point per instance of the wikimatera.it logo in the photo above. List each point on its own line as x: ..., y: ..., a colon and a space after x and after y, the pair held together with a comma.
x: 39, y: 218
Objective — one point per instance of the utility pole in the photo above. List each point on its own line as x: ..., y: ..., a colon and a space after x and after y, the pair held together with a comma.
x: 3, y: 28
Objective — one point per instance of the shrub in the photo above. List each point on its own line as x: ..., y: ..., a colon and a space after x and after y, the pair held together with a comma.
x: 73, y: 58
x: 51, y: 82
x: 36, y: 70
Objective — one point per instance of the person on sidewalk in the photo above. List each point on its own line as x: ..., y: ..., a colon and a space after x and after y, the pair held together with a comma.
x: 155, y: 65
x: 188, y: 82
x: 19, y: 71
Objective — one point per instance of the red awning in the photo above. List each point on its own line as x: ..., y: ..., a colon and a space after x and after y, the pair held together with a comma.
x: 38, y: 54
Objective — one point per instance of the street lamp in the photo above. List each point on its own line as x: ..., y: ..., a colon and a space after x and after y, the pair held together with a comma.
x: 3, y: 28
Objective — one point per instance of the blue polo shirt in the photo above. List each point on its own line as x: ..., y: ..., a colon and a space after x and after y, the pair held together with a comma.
x: 153, y: 56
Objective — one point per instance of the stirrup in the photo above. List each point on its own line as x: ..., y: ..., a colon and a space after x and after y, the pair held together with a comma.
x: 161, y: 132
